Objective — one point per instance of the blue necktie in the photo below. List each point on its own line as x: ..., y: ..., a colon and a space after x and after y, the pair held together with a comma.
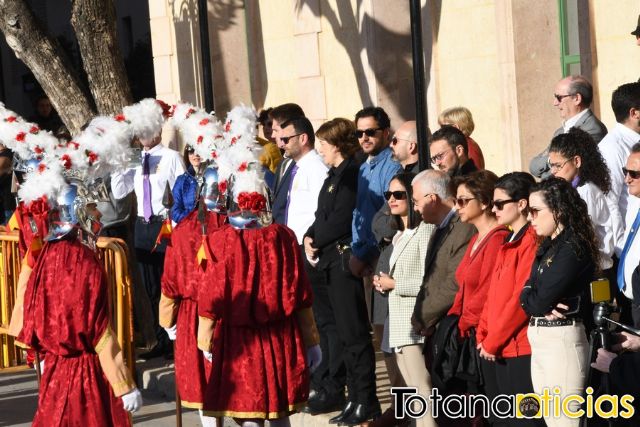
x: 627, y: 246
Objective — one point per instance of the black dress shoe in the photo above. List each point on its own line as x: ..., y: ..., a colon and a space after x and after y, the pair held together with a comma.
x: 346, y: 411
x: 324, y: 402
x: 362, y: 413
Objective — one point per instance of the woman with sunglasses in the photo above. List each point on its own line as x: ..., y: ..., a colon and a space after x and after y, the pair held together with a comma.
x: 402, y: 284
x: 474, y: 195
x: 502, y: 331
x: 575, y: 158
x: 339, y: 305
x: 556, y: 295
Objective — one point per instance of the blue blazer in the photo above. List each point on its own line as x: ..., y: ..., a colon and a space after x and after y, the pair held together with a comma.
x: 184, y: 195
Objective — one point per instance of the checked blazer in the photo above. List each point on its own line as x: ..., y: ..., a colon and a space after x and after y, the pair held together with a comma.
x: 407, y: 269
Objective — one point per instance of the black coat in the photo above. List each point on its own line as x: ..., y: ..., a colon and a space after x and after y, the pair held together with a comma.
x: 281, y: 188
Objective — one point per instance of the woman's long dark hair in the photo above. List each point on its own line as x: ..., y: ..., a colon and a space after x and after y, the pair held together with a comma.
x: 579, y: 143
x: 570, y: 211
x: 405, y: 179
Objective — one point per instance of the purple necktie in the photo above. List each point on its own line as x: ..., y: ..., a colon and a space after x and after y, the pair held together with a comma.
x: 292, y: 175
x: 146, y: 189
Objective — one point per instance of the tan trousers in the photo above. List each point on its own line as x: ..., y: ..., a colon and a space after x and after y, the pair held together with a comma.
x: 559, y: 360
x: 411, y: 363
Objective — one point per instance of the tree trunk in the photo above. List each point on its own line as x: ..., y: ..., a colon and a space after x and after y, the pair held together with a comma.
x: 94, y: 22
x: 47, y: 61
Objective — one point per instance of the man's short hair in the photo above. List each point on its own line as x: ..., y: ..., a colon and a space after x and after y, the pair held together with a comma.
x: 636, y: 148
x: 580, y: 85
x: 285, y: 112
x: 434, y: 181
x: 452, y: 135
x: 301, y: 125
x: 381, y: 117
x: 264, y: 116
x: 624, y: 99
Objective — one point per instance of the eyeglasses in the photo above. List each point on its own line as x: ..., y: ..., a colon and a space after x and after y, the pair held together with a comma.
x: 369, y: 132
x: 395, y: 140
x: 438, y: 157
x: 555, y: 167
x: 398, y: 195
x: 285, y: 139
x: 462, y: 202
x: 534, y: 211
x: 559, y: 98
x: 190, y: 150
x: 633, y: 174
x: 499, y: 204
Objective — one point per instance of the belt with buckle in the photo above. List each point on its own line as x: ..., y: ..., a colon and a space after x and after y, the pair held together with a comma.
x: 152, y: 219
x: 541, y: 321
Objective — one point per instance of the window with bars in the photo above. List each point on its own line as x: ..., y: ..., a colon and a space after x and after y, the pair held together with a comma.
x: 569, y: 37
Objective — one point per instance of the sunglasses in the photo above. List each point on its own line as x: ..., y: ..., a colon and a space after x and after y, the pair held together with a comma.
x: 369, y: 132
x: 398, y: 195
x: 633, y: 174
x: 285, y: 139
x: 499, y: 204
x: 190, y: 150
x: 395, y: 140
x: 559, y: 98
x: 462, y: 202
x: 534, y: 211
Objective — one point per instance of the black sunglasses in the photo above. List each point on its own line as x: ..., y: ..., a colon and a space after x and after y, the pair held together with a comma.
x: 499, y: 204
x: 189, y: 149
x: 285, y: 139
x: 633, y: 174
x: 559, y: 98
x: 369, y: 132
x: 398, y: 195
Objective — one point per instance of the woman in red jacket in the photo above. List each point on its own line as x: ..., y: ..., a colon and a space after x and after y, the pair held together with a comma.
x: 474, y: 195
x: 502, y: 332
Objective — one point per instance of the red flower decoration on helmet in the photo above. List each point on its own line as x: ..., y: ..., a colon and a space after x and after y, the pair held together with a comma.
x: 11, y: 119
x: 254, y: 202
x: 222, y: 187
x: 92, y: 157
x: 227, y: 126
x: 204, y: 122
x: 66, y: 161
x: 38, y: 150
x: 42, y: 167
x: 200, y: 139
x: 34, y: 130
x: 73, y: 144
x: 243, y: 167
x: 21, y: 136
x: 120, y: 118
x: 166, y: 109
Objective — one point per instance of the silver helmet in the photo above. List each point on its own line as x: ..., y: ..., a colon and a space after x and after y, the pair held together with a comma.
x: 213, y: 198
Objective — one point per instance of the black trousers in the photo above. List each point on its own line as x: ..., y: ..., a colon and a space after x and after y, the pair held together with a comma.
x: 346, y: 298
x: 151, y: 265
x: 509, y: 376
x: 331, y: 375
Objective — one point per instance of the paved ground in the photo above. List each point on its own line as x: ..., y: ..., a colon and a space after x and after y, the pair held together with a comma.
x: 18, y: 398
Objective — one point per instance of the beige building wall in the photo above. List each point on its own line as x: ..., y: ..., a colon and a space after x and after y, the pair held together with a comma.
x: 499, y: 58
x: 616, y: 57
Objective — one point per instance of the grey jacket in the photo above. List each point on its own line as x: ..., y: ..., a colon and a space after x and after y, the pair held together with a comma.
x: 588, y: 123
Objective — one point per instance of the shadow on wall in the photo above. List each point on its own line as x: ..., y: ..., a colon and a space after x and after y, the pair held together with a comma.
x: 389, y: 53
x: 222, y: 15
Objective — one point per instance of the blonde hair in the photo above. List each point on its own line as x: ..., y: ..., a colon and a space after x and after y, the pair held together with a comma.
x: 459, y: 117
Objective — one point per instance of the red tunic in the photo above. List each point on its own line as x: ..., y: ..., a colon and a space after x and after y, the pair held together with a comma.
x: 253, y: 290
x: 503, y: 324
x: 473, y: 276
x: 180, y: 281
x: 66, y: 314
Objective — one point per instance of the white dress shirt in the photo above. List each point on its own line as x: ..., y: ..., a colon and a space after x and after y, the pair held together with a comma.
x: 615, y: 148
x: 598, y: 211
x: 165, y: 165
x: 305, y: 188
x: 633, y: 255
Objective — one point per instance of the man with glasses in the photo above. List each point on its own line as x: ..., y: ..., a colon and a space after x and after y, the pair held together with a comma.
x: 572, y: 97
x: 434, y: 201
x: 449, y: 152
x: 615, y: 148
x: 372, y: 124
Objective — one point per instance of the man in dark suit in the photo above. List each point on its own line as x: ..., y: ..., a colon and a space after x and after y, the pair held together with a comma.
x: 432, y: 198
x: 279, y: 115
x: 572, y: 98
